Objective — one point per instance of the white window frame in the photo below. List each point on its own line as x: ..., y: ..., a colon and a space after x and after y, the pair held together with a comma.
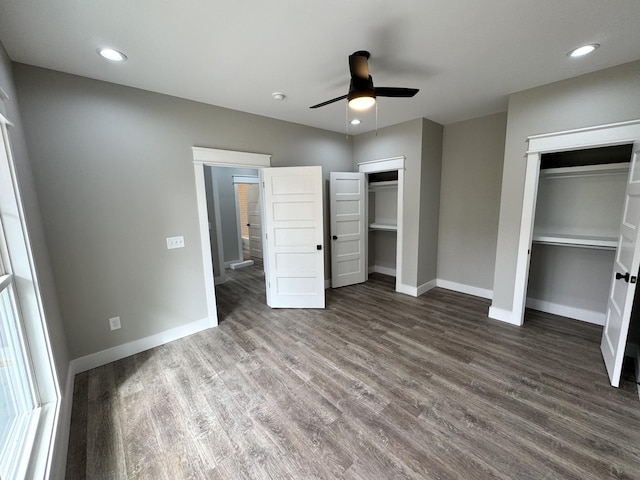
x: 35, y: 459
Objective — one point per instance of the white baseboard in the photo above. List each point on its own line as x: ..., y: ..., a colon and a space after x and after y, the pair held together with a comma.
x: 416, y: 291
x: 407, y: 290
x: 383, y: 270
x: 503, y: 316
x: 425, y: 287
x: 109, y: 355
x: 589, y: 316
x: 327, y: 283
x: 220, y: 280
x: 242, y: 264
x: 467, y: 289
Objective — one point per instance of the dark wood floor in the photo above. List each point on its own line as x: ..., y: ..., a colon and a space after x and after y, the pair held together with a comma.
x: 376, y: 386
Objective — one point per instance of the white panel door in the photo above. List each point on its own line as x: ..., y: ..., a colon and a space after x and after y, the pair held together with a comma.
x: 293, y: 224
x: 624, y: 276
x: 254, y: 217
x: 348, y: 228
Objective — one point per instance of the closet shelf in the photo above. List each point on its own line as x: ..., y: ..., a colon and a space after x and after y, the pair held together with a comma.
x: 583, y: 241
x: 383, y: 226
x: 373, y: 186
x: 586, y: 170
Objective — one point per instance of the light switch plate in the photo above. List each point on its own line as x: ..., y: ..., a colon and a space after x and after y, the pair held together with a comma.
x: 114, y: 323
x: 175, y: 242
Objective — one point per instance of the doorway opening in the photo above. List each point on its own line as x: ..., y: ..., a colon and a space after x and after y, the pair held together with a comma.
x: 293, y: 233
x: 208, y: 157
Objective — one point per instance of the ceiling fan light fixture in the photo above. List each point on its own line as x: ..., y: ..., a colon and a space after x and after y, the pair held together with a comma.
x: 362, y: 102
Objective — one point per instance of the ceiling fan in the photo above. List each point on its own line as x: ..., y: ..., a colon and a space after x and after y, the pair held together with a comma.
x: 362, y: 94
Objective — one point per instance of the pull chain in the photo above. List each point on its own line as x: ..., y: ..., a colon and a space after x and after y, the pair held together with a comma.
x: 376, y: 119
x: 346, y: 118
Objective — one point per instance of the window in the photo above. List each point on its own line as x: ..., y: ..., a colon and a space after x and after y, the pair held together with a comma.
x: 29, y: 394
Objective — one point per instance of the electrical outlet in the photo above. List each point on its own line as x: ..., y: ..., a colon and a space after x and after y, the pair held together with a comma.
x: 175, y: 242
x: 114, y: 323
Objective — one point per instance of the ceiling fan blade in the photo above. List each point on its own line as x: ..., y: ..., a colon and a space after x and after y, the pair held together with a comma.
x: 337, y: 99
x: 358, y: 65
x: 395, y: 92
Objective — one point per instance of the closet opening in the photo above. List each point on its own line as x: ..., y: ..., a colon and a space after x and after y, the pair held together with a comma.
x: 366, y: 211
x: 382, y: 222
x: 582, y: 216
x: 579, y: 206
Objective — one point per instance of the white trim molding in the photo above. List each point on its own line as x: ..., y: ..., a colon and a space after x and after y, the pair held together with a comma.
x: 119, y: 352
x: 589, y: 316
x: 467, y: 289
x: 230, y: 158
x: 416, y: 291
x: 503, y: 316
x: 383, y: 270
x: 425, y: 287
x: 382, y: 165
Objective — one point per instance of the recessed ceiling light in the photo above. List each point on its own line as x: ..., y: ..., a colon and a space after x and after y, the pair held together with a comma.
x: 355, y: 121
x: 278, y: 96
x: 583, y: 50
x: 111, y: 54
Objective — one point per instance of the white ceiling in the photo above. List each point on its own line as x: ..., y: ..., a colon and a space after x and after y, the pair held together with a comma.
x: 465, y: 56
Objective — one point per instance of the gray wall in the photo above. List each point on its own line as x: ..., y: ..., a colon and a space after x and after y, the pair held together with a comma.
x: 430, y: 179
x: 607, y: 96
x: 420, y: 142
x: 113, y: 169
x: 472, y: 158
x: 403, y: 139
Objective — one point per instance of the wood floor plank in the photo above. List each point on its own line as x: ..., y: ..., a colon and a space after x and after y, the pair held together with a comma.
x: 378, y: 385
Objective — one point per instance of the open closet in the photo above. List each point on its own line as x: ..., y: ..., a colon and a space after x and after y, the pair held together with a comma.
x: 382, y: 222
x: 366, y: 221
x: 581, y: 219
x: 578, y: 210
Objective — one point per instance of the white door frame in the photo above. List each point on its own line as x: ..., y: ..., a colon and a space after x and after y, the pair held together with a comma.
x: 387, y: 165
x: 216, y: 158
x: 591, y: 137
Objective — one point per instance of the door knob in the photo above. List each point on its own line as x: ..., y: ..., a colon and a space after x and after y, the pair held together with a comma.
x: 335, y: 237
x: 621, y: 276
